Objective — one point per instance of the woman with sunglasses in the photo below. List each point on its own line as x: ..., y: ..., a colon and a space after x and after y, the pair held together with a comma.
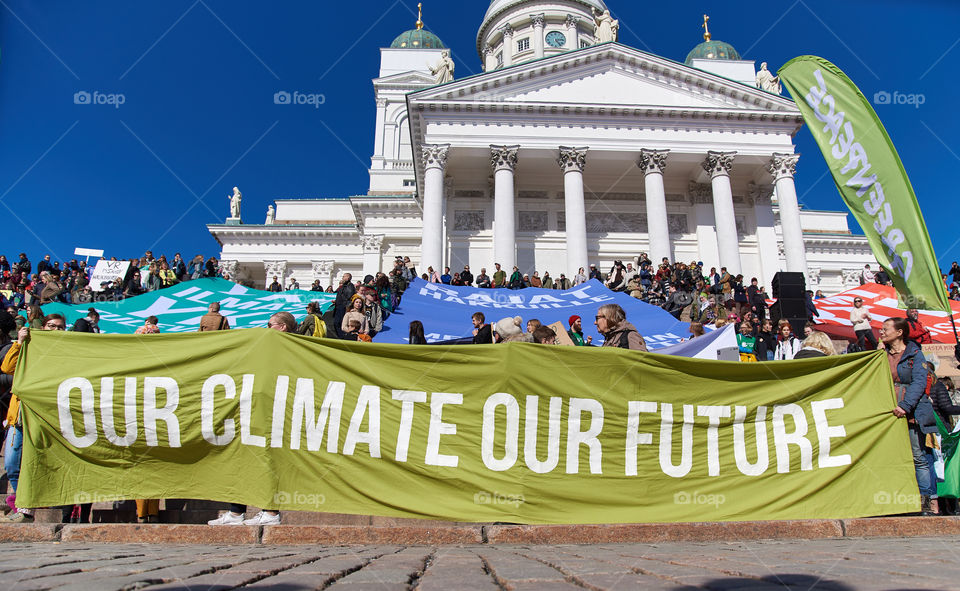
x: 860, y: 318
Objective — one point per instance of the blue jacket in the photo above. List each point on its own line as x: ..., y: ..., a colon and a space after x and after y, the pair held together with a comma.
x: 913, y: 375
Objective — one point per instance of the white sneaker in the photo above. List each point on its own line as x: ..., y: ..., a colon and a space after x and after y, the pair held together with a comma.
x: 228, y: 518
x: 264, y: 518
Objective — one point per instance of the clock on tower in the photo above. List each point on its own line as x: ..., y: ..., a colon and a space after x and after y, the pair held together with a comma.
x: 556, y: 39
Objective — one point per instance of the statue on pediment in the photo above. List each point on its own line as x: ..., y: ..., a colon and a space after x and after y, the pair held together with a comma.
x: 767, y: 81
x: 235, y: 199
x: 607, y: 26
x: 443, y: 71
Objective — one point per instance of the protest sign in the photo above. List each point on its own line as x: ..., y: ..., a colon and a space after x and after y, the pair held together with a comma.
x: 180, y: 307
x: 107, y: 272
x: 517, y: 432
x: 445, y: 311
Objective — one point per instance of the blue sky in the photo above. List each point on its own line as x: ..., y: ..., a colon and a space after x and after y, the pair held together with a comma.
x: 198, y: 117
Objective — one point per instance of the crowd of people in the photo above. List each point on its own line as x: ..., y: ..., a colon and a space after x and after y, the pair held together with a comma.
x: 22, y: 285
x: 713, y: 298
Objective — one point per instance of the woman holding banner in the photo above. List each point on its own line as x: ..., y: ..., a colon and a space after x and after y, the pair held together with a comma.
x: 910, y: 382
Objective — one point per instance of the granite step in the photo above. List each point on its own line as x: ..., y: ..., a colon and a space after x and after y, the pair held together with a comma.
x: 416, y: 532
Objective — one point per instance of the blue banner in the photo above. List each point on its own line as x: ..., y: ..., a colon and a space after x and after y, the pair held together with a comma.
x: 445, y: 311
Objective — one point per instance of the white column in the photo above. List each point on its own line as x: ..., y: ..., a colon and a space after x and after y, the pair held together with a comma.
x: 573, y: 35
x: 372, y: 258
x: 379, y: 131
x: 537, y: 34
x: 229, y: 270
x: 276, y: 269
x: 322, y: 271
x: 508, y: 47
x: 489, y: 59
x: 504, y: 161
x: 572, y: 162
x: 702, y: 203
x: 434, y: 162
x: 653, y: 163
x: 782, y: 167
x: 718, y: 165
x: 766, y: 232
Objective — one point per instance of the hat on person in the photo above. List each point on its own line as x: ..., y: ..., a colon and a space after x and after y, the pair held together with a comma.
x: 572, y: 319
x: 508, y: 327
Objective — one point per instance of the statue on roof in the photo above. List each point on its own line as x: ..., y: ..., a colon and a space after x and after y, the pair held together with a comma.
x: 767, y: 81
x: 271, y: 215
x: 443, y: 71
x: 235, y: 203
x: 607, y: 26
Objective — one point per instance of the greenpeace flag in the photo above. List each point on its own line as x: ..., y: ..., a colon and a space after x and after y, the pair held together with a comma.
x: 445, y: 311
x: 870, y: 177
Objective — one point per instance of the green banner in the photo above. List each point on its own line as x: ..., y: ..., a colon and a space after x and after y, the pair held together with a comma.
x: 516, y: 432
x: 870, y: 177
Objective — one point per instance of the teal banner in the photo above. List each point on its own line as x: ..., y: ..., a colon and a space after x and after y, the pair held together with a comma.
x: 180, y: 307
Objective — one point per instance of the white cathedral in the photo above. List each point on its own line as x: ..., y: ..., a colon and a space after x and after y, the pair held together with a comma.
x: 569, y: 149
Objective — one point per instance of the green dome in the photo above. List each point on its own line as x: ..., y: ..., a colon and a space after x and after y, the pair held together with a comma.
x: 712, y: 50
x: 417, y: 39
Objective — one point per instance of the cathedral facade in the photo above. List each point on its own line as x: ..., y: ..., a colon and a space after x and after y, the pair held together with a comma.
x: 569, y: 149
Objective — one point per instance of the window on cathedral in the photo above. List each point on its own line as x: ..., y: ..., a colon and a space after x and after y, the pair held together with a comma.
x: 409, y: 183
x: 584, y: 43
x: 523, y: 44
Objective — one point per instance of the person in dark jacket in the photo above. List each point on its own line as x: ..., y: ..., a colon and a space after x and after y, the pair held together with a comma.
x: 811, y: 308
x: 345, y: 293
x: 90, y: 323
x: 940, y: 398
x: 882, y: 277
x: 910, y: 382
x: 482, y: 334
x: 416, y: 333
x: 766, y: 341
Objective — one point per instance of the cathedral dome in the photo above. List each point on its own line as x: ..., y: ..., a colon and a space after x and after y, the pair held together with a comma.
x: 712, y: 50
x: 498, y: 6
x: 417, y: 39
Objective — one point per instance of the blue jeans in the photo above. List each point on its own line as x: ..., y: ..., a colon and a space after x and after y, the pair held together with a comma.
x: 928, y: 488
x: 11, y: 455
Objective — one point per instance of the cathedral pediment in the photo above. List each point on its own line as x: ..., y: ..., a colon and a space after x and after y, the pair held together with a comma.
x: 610, y: 75
x: 406, y: 79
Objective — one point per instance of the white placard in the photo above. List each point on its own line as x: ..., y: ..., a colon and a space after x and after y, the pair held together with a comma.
x: 107, y: 271
x: 88, y: 252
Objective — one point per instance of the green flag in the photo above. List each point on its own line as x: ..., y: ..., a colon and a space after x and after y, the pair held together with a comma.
x: 870, y: 177
x: 513, y: 432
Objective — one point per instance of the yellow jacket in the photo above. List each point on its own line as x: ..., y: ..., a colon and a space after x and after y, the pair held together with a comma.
x: 8, y: 366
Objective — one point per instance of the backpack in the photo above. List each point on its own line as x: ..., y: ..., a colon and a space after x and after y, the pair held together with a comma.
x: 319, y: 327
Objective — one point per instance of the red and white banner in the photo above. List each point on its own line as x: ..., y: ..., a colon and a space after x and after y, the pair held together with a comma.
x: 881, y: 302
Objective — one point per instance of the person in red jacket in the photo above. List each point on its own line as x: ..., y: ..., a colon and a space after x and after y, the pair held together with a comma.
x: 918, y: 332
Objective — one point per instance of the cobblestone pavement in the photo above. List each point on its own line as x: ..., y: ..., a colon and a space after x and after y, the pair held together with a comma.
x: 837, y: 565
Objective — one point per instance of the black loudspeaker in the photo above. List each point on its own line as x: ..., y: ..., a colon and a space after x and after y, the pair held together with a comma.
x: 789, y: 289
x: 788, y: 285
